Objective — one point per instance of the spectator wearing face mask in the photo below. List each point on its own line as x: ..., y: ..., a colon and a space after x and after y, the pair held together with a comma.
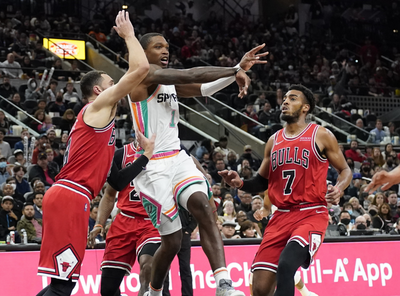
x: 366, y: 169
x: 345, y: 223
x: 5, y: 171
x: 360, y: 223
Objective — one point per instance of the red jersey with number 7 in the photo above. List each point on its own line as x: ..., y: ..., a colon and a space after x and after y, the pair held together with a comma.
x: 89, y: 154
x: 128, y: 200
x: 297, y: 173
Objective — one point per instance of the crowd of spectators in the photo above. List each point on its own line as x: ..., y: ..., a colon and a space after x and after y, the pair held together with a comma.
x: 320, y: 59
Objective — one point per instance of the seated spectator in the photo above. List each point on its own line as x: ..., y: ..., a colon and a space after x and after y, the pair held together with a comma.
x: 92, y: 219
x: 5, y: 170
x: 32, y: 226
x: 257, y: 203
x: 344, y: 219
x: 68, y: 120
x: 22, y: 186
x: 228, y: 230
x: 78, y: 106
x: 205, y: 147
x: 4, y: 123
x: 232, y: 161
x: 378, y: 157
x: 383, y: 220
x: 378, y: 133
x: 53, y: 166
x: 11, y: 68
x: 46, y: 125
x: 38, y: 187
x: 377, y: 201
x: 265, y: 116
x: 354, y: 153
x: 38, y: 201
x: 64, y: 138
x: 40, y: 115
x: 19, y: 158
x: 16, y: 100
x: 360, y: 223
x: 228, y: 211
x: 252, y: 127
x: 246, y: 173
x: 70, y: 95
x: 396, y: 229
x: 245, y: 203
x: 42, y: 171
x: 97, y: 34
x: 8, y: 219
x: 366, y: 169
x: 254, y: 163
x: 27, y: 68
x: 219, y: 166
x: 51, y: 135
x: 223, y: 145
x: 349, y: 208
x: 216, y: 194
x: 357, y: 208
x: 392, y: 128
x: 5, y: 148
x: 241, y: 216
x: 335, y: 104
x: 51, y: 92
x: 9, y: 189
x: 20, y: 145
x: 389, y: 151
x: 360, y: 134
x: 247, y: 230
x: 6, y: 89
x: 41, y: 146
x: 59, y: 159
x: 58, y: 105
x: 392, y: 201
x: 41, y: 105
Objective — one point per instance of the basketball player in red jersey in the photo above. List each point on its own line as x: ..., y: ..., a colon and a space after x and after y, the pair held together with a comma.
x: 131, y: 234
x: 294, y: 170
x: 87, y: 161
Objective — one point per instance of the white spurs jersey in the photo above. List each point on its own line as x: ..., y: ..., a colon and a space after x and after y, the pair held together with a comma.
x: 159, y: 114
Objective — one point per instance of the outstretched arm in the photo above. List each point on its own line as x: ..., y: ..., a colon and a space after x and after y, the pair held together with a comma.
x: 328, y: 143
x: 387, y: 179
x: 105, y: 208
x: 217, y: 77
x: 138, y: 69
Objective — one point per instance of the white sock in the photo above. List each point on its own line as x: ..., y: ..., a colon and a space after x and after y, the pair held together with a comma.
x: 154, y: 292
x: 221, y: 273
x: 304, y: 291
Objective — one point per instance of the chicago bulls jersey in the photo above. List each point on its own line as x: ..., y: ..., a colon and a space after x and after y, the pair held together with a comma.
x: 128, y: 200
x: 89, y: 154
x: 297, y: 172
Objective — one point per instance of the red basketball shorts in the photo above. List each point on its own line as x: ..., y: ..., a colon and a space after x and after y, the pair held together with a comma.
x: 125, y: 240
x: 305, y: 226
x: 65, y: 229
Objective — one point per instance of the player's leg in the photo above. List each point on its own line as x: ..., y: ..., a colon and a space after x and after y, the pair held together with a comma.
x: 58, y: 288
x: 264, y: 282
x: 184, y: 265
x: 292, y: 257
x: 111, y: 279
x: 171, y: 236
x: 145, y: 259
x: 301, y: 286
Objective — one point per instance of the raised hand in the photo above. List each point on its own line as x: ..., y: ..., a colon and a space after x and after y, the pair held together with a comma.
x: 333, y: 195
x: 381, y: 178
x: 260, y: 214
x: 231, y: 178
x: 124, y: 26
x: 146, y: 144
x: 243, y: 82
x: 92, y: 236
x: 251, y: 58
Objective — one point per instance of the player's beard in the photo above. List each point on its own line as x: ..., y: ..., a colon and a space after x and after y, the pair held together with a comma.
x: 292, y: 118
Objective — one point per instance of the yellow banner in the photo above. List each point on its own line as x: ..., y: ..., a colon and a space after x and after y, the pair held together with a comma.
x: 67, y: 48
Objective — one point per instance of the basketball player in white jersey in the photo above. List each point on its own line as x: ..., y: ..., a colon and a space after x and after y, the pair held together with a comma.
x: 170, y: 177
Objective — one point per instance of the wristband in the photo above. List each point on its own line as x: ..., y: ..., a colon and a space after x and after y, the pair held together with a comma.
x: 98, y: 225
x: 241, y: 185
x: 238, y: 68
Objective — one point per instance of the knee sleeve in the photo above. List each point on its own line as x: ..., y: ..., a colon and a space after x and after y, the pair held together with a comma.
x: 111, y: 278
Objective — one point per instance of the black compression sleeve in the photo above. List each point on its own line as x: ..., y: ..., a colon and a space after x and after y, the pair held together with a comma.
x: 119, y: 179
x: 255, y: 185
